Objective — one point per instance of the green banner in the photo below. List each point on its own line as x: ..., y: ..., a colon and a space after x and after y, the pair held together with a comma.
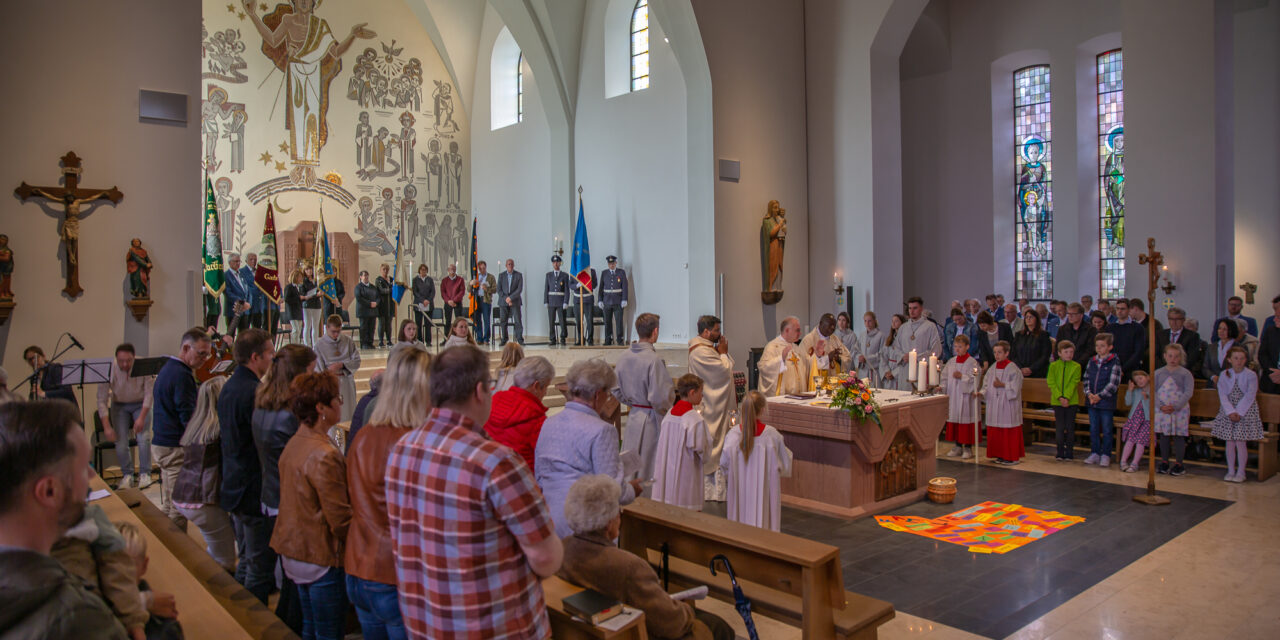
x: 214, y: 278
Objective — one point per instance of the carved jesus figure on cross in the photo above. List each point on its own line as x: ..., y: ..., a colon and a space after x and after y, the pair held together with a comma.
x: 71, y: 197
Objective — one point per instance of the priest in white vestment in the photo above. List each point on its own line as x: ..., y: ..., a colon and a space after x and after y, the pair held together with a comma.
x: 644, y: 384
x: 922, y: 334
x: 785, y: 368
x: 834, y: 347
x: 677, y: 465
x: 709, y: 359
x: 755, y: 465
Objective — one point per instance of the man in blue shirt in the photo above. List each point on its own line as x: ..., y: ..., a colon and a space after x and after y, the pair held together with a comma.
x: 174, y: 400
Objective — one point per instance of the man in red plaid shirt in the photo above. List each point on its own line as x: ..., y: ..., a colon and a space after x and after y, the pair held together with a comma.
x: 471, y: 532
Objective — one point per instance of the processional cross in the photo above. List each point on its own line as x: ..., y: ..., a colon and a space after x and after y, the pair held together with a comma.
x: 71, y: 196
x: 1153, y: 259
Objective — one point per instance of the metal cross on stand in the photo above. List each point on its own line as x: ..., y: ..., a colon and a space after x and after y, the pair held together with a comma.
x: 71, y: 196
x: 1153, y: 259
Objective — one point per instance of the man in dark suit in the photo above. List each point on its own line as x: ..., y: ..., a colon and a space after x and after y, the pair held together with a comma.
x: 1080, y: 332
x: 424, y: 302
x: 555, y: 294
x: 366, y: 309
x: 241, y: 493
x: 1129, y: 339
x: 1269, y: 351
x: 510, y: 289
x: 1178, y: 333
x: 237, y: 293
x: 386, y: 308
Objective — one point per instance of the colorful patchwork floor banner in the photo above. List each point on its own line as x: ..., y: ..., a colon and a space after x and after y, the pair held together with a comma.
x: 990, y: 527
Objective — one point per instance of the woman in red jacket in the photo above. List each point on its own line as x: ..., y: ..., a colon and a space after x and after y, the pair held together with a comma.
x: 517, y: 414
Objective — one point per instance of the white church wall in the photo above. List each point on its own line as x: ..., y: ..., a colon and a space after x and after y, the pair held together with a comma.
x: 79, y: 91
x: 960, y: 229
x: 512, y: 185
x: 632, y: 162
x: 1257, y: 154
x: 756, y: 55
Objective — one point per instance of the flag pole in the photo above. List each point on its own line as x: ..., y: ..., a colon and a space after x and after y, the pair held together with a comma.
x: 575, y: 278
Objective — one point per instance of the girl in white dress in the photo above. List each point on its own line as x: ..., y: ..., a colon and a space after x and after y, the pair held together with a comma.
x: 683, y: 439
x: 1238, y: 419
x: 755, y: 459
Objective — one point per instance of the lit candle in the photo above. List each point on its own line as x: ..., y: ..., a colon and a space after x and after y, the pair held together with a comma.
x: 933, y: 370
x: 912, y: 371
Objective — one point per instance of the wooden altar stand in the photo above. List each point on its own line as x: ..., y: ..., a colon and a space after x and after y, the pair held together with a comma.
x: 852, y: 469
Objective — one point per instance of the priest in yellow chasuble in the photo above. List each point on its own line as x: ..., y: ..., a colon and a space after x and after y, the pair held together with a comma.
x: 784, y: 367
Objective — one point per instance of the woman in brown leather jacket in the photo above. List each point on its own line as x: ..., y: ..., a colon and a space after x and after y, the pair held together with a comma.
x: 405, y: 402
x: 315, y: 512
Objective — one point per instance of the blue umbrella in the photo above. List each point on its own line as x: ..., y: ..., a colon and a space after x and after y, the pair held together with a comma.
x: 740, y: 601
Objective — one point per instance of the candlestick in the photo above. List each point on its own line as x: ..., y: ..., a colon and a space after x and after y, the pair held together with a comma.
x: 912, y: 371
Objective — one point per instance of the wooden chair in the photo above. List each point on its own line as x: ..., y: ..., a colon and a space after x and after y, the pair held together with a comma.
x: 100, y: 443
x: 789, y: 578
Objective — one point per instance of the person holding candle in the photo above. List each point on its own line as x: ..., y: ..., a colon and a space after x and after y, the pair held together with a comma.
x: 1002, y: 389
x: 959, y: 381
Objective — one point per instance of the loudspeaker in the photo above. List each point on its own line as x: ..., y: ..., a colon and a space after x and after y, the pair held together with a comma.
x: 161, y: 106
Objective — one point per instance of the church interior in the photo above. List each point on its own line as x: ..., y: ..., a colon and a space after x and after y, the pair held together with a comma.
x: 765, y: 162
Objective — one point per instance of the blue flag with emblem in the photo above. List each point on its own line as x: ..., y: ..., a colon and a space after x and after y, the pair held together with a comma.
x: 581, y: 263
x: 323, y: 262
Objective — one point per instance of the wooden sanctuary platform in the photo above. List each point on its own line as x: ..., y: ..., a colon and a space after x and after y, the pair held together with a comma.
x: 850, y: 469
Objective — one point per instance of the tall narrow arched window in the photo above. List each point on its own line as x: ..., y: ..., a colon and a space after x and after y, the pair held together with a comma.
x: 640, y: 46
x: 520, y: 88
x: 1111, y: 173
x: 1033, y: 184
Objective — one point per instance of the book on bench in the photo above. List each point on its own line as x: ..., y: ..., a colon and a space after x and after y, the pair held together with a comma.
x: 592, y: 606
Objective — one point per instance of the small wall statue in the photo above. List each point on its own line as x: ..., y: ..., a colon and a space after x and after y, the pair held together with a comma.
x: 138, y: 264
x: 773, y: 238
x: 6, y: 279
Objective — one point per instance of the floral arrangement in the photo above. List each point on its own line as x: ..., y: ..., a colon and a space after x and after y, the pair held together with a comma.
x: 855, y: 398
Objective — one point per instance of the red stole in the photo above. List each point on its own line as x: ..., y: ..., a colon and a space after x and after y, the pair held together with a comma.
x: 962, y: 358
x: 1003, y: 363
x: 681, y: 407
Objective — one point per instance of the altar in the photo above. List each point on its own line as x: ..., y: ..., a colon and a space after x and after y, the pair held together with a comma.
x: 853, y: 469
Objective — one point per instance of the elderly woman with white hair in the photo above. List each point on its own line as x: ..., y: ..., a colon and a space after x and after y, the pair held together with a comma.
x: 576, y: 442
x: 517, y: 413
x: 592, y: 560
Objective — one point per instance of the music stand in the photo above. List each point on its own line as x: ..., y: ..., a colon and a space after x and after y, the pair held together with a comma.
x: 143, y: 367
x: 87, y: 371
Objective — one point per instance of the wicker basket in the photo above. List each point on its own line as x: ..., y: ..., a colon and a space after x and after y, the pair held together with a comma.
x: 942, y: 490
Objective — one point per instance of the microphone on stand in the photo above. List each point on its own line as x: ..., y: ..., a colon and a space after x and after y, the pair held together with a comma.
x: 75, y: 342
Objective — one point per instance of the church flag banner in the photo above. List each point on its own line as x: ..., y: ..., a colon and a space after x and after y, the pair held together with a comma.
x: 214, y: 278
x: 581, y: 264
x: 267, y: 275
x: 323, y: 262
x: 397, y: 287
x: 474, y: 303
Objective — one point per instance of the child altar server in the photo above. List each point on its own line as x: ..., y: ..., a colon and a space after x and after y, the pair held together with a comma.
x: 1002, y: 389
x: 755, y: 459
x: 682, y: 440
x: 960, y: 380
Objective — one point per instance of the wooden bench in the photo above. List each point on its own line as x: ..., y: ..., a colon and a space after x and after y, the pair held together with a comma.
x: 793, y: 579
x: 566, y: 627
x: 1204, y: 407
x: 211, y: 604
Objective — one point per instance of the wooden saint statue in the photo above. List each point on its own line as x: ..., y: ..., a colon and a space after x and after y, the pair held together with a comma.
x: 6, y: 268
x: 71, y: 196
x: 773, y: 237
x: 139, y: 266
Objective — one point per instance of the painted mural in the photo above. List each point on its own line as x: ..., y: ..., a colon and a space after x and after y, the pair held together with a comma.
x: 344, y: 102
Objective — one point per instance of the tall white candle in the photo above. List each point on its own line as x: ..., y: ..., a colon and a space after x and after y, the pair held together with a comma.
x: 922, y: 379
x: 933, y: 370
x: 912, y: 371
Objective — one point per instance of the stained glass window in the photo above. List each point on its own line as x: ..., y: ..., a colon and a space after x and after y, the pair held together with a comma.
x: 1111, y: 173
x: 520, y: 88
x: 640, y: 46
x: 1033, y: 184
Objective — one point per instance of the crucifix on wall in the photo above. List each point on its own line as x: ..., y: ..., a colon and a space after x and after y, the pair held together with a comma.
x: 71, y: 196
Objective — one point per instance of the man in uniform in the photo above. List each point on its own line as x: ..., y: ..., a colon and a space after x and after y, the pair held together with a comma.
x: 555, y: 295
x: 613, y: 299
x: 584, y: 300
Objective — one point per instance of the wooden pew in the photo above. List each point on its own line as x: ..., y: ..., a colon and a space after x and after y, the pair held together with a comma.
x: 211, y: 604
x: 201, y: 614
x: 789, y: 578
x: 566, y: 627
x: 1204, y: 407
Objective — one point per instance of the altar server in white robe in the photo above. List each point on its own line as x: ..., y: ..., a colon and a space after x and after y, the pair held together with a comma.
x: 644, y: 384
x: 755, y: 461
x: 894, y: 355
x: 922, y: 334
x: 677, y: 465
x: 337, y: 352
x: 960, y: 380
x: 709, y: 359
x: 870, y: 354
x: 1002, y: 389
x: 785, y: 368
x: 848, y: 337
x: 833, y: 347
